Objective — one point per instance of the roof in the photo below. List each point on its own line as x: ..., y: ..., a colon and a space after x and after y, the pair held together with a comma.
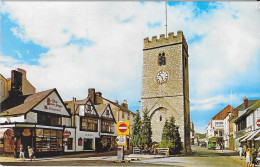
x: 254, y: 104
x: 76, y: 102
x: 241, y: 106
x: 119, y: 106
x: 223, y: 113
x: 22, y: 104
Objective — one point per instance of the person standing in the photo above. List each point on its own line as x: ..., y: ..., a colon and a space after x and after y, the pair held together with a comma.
x: 30, y: 152
x: 22, y: 152
x: 254, y: 156
x: 240, y: 151
x: 248, y: 157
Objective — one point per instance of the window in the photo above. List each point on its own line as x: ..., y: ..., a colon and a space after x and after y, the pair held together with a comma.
x: 89, y: 124
x: 69, y: 144
x: 128, y: 116
x: 161, y: 59
x: 48, y: 119
x: 88, y: 144
x: 160, y: 118
x: 123, y: 114
x: 107, y: 127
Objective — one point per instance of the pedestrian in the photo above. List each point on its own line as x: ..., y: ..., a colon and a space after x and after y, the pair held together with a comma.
x: 254, y: 156
x: 30, y: 152
x: 248, y: 157
x: 222, y: 146
x: 244, y: 150
x: 240, y: 151
x: 22, y: 152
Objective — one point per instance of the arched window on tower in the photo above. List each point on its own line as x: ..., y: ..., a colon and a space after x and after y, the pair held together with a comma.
x: 160, y: 118
x: 161, y: 59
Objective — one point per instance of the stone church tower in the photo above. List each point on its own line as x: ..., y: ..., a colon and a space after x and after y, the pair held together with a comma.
x: 165, y: 90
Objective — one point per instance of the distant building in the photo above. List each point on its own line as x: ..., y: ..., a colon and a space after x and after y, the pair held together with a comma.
x: 216, y: 126
x: 247, y: 131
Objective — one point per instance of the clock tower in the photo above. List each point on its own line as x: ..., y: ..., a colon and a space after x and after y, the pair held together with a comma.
x: 165, y: 89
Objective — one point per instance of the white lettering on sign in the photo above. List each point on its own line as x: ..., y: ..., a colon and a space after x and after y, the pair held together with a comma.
x: 52, y: 104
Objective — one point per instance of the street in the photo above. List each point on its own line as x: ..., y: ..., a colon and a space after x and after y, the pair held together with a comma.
x: 200, y: 157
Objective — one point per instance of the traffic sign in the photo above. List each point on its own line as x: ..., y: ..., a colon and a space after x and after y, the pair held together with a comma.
x: 123, y: 128
x: 258, y: 122
x: 66, y: 134
x: 121, y: 140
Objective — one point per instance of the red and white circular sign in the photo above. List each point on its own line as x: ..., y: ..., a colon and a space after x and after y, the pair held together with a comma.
x: 122, y: 127
x: 66, y: 134
x: 258, y: 122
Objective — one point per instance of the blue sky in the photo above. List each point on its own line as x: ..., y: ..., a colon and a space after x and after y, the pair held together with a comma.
x: 100, y: 45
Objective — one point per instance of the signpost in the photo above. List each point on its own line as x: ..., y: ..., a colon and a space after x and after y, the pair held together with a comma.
x: 122, y: 131
x: 258, y: 122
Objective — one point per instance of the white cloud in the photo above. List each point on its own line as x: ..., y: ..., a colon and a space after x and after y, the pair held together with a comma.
x: 113, y: 63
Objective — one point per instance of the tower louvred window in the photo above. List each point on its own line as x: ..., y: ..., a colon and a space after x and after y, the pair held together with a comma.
x: 161, y: 59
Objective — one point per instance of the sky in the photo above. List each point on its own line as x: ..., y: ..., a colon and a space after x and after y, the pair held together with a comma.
x: 74, y: 46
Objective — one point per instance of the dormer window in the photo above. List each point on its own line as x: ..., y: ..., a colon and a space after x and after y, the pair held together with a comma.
x: 107, y: 113
x: 161, y: 59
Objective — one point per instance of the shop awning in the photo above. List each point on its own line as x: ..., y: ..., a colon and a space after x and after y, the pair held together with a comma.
x: 258, y: 138
x: 240, y: 138
x: 249, y: 135
x: 2, y: 131
x: 253, y: 135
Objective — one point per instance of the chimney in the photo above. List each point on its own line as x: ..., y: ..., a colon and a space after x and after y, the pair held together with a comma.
x: 245, y: 102
x: 91, y: 94
x: 116, y: 102
x: 16, y: 83
x: 99, y: 94
x: 124, y: 104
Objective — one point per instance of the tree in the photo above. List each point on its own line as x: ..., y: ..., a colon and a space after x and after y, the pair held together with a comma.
x: 171, y: 137
x: 136, y: 137
x: 146, y: 130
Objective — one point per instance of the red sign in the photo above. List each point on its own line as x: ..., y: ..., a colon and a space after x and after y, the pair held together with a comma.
x: 122, y: 127
x: 66, y: 134
x: 258, y: 122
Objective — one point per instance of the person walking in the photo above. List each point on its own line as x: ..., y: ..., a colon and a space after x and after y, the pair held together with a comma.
x: 240, y: 151
x: 254, y: 156
x: 248, y: 157
x: 30, y: 152
x: 22, y: 152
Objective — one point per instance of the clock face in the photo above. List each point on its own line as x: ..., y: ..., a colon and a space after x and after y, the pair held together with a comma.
x: 161, y: 77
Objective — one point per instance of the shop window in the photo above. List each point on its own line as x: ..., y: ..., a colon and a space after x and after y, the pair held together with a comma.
x: 69, y: 144
x: 48, y: 140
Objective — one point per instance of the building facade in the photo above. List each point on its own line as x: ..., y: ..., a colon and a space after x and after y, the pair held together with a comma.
x: 216, y: 126
x: 165, y: 87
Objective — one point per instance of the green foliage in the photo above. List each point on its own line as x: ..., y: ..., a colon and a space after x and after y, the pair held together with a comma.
x: 171, y: 137
x: 201, y: 136
x: 146, y: 130
x: 136, y: 136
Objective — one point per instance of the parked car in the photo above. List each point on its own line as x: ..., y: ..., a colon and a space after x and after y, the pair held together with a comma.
x: 203, y: 144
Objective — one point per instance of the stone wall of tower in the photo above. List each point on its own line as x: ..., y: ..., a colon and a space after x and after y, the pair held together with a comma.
x: 162, y: 100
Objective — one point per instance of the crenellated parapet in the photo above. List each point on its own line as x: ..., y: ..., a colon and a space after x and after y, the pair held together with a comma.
x: 162, y: 41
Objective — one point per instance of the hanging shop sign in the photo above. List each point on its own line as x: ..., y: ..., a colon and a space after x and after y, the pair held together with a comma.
x: 66, y: 134
x: 26, y: 132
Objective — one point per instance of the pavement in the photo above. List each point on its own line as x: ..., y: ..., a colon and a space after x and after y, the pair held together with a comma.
x: 110, y: 157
